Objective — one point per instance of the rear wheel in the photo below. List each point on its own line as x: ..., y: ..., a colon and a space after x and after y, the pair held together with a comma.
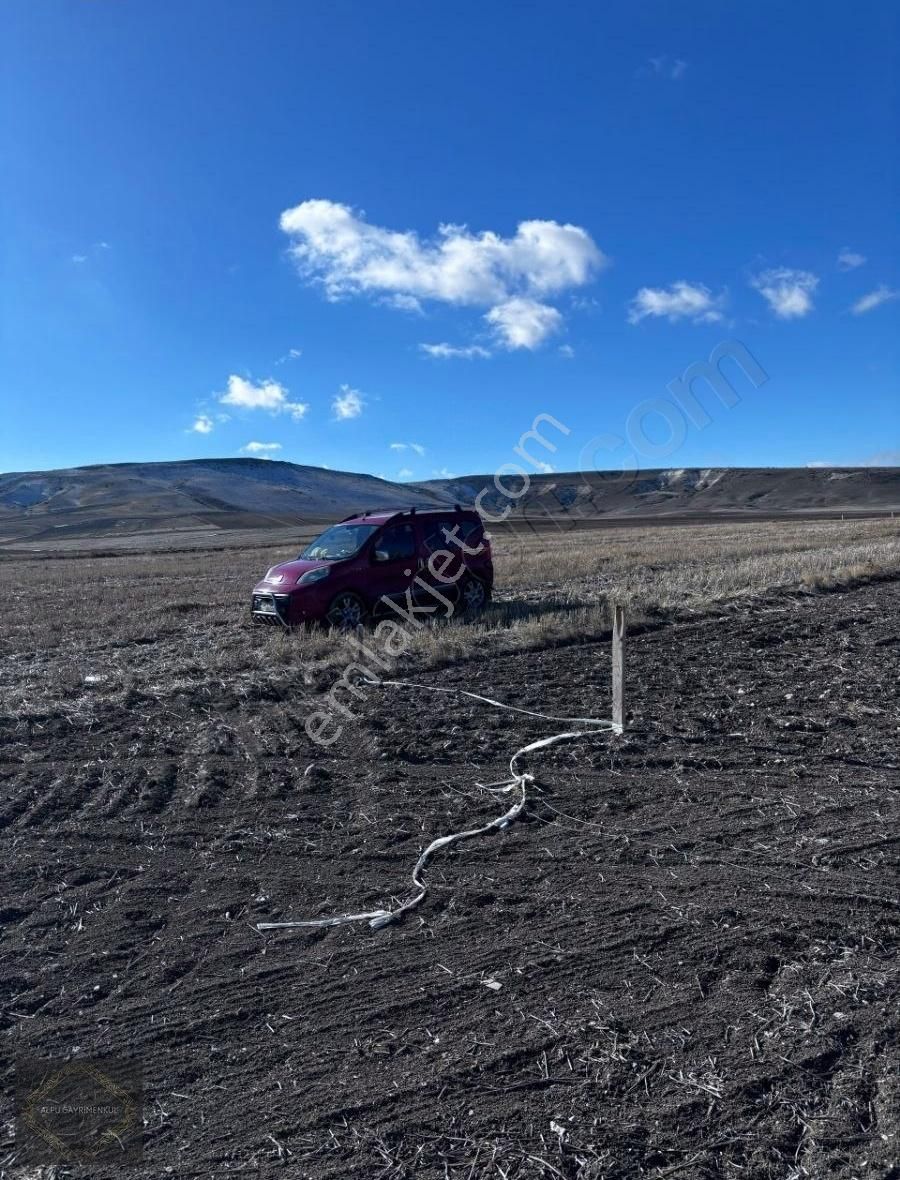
x: 474, y: 596
x: 346, y: 612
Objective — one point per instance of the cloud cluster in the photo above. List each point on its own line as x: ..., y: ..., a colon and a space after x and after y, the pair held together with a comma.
x: 268, y: 395
x: 511, y: 277
x: 272, y: 398
x: 401, y: 446
x: 789, y: 293
x: 681, y: 301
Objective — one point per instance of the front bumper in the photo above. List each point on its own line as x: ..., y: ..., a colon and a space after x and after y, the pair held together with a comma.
x: 306, y: 604
x: 270, y: 608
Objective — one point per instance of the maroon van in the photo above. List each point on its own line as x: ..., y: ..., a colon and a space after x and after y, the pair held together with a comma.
x: 380, y: 564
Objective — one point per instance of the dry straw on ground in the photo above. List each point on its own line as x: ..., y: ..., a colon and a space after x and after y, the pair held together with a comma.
x: 551, y: 589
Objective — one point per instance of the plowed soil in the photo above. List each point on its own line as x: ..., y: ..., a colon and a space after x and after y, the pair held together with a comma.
x: 682, y: 961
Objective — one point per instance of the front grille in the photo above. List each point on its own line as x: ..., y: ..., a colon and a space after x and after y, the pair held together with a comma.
x: 269, y: 604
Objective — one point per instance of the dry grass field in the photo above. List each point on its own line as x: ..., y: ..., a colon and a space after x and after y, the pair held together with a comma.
x: 682, y: 961
x: 551, y: 588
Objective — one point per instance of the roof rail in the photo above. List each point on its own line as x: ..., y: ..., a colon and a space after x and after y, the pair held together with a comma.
x: 412, y: 509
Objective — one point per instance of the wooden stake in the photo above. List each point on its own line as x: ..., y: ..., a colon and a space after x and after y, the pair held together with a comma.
x: 618, y: 668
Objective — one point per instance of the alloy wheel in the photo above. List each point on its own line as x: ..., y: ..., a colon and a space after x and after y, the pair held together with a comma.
x: 473, y: 595
x: 346, y: 612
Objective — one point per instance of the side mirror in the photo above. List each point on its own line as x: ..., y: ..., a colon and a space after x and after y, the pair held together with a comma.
x: 381, y: 555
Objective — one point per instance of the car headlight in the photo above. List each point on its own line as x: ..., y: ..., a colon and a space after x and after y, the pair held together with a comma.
x: 315, y: 575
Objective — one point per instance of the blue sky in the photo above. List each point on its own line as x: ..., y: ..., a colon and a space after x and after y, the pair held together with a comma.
x: 329, y: 228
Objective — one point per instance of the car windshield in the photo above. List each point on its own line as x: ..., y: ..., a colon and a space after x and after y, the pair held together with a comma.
x: 342, y: 540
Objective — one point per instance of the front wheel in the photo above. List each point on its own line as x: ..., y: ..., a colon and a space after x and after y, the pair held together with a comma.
x: 346, y: 611
x: 474, y: 596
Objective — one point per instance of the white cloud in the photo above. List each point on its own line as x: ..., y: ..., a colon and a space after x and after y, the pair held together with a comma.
x: 404, y: 473
x: 668, y: 67
x: 348, y: 403
x: 789, y: 293
x: 586, y: 303
x: 848, y: 259
x: 567, y: 351
x: 874, y: 299
x: 258, y: 448
x: 203, y: 424
x: 418, y: 448
x: 80, y: 258
x: 450, y: 351
x: 404, y: 303
x: 399, y: 446
x: 444, y: 351
x: 292, y: 354
x: 268, y: 395
x: 682, y: 301
x: 523, y: 323
x: 444, y: 474
x: 334, y: 245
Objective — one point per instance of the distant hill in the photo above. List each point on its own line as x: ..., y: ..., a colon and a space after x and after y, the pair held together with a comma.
x: 692, y: 491
x: 124, y: 499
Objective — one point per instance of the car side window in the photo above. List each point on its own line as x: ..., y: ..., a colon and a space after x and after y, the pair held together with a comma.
x: 434, y: 538
x: 398, y: 542
x: 439, y: 535
x: 471, y: 533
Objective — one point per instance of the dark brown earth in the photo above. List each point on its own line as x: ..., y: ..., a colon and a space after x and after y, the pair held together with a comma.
x: 681, y: 963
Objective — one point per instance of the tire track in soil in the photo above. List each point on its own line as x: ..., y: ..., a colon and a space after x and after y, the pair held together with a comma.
x: 695, y: 968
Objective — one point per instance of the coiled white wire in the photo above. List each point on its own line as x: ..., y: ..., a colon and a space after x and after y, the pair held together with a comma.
x: 518, y: 781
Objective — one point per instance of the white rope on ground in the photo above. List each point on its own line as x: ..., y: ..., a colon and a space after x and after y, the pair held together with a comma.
x: 519, y: 779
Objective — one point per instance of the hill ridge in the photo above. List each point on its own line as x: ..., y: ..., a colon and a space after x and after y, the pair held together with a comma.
x: 244, y: 492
